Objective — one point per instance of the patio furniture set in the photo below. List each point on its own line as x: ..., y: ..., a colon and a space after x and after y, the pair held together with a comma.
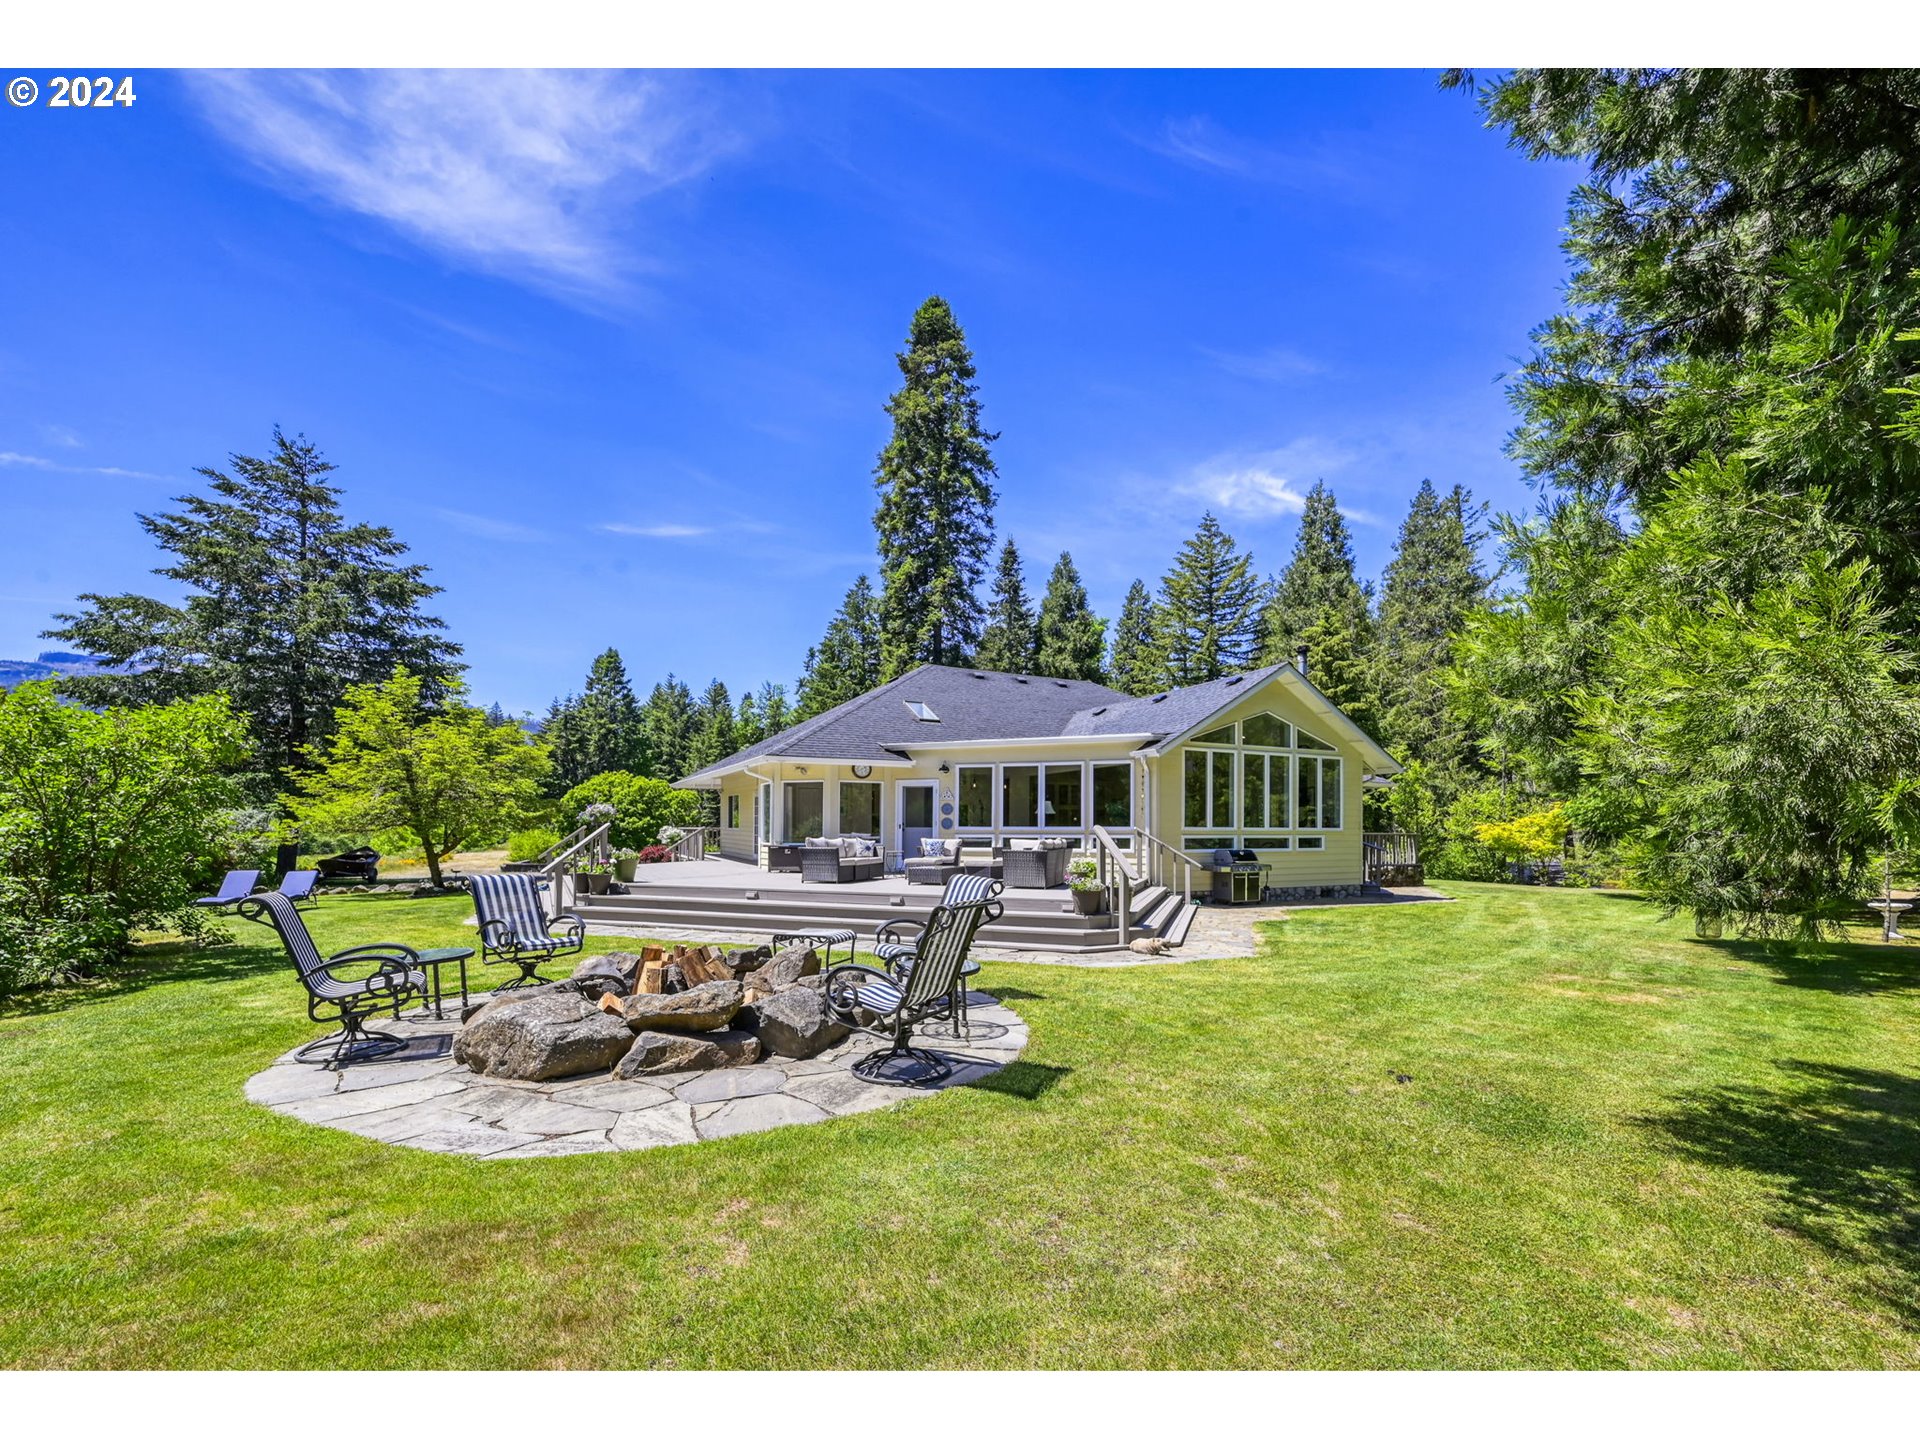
x: 1027, y: 864
x: 923, y: 972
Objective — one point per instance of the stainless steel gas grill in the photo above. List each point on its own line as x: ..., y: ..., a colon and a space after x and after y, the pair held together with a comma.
x: 1239, y: 877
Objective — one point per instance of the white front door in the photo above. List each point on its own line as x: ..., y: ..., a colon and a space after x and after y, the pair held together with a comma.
x: 914, y: 805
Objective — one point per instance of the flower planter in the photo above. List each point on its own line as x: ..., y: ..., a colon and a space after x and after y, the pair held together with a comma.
x: 1089, y: 902
x: 594, y: 882
x: 623, y: 869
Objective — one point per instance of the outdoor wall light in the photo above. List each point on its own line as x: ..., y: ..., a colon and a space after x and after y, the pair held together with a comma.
x: 945, y: 767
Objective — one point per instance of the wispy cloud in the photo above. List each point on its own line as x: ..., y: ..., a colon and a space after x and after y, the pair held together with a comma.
x: 530, y: 174
x: 1263, y: 485
x: 40, y: 462
x: 1197, y: 142
x: 486, y: 527
x: 1277, y: 364
x: 656, y: 532
x: 63, y: 437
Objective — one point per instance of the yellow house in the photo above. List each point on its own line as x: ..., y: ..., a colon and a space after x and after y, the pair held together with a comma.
x: 1260, y: 761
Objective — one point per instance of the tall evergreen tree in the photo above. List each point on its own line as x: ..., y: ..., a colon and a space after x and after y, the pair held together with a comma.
x: 1009, y: 643
x: 667, y: 724
x: 747, y: 729
x: 607, y: 720
x: 1135, y: 666
x: 846, y: 662
x: 771, y: 702
x: 496, y: 716
x: 1207, y: 619
x: 562, y: 732
x: 1072, y: 639
x: 287, y: 604
x: 1318, y: 604
x: 935, y: 518
x: 715, y: 736
x: 1432, y: 584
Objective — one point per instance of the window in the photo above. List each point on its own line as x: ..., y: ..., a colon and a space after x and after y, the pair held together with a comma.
x: 1263, y: 791
x: 1269, y: 842
x: 1312, y: 842
x: 919, y: 711
x: 1062, y: 809
x: 1207, y: 842
x: 733, y: 812
x: 1222, y: 736
x: 1209, y: 789
x: 806, y: 809
x: 1318, y: 793
x: 860, y: 807
x: 1266, y: 730
x: 1311, y: 742
x: 975, y: 787
x: 1113, y: 795
x: 1020, y: 795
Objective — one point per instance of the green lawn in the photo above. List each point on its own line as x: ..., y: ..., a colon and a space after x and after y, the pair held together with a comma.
x: 1534, y: 1128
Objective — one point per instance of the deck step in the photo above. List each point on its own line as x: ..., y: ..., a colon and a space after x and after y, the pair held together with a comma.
x: 1143, y: 901
x: 1009, y: 933
x: 1158, y: 918
x: 1181, y: 923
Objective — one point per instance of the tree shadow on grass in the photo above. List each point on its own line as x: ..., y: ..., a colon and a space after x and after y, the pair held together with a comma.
x: 1012, y: 992
x: 152, y: 965
x: 1841, y: 968
x: 1843, y: 1145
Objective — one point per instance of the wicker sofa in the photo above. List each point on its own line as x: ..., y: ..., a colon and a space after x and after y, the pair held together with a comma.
x: 1035, y: 864
x: 838, y: 862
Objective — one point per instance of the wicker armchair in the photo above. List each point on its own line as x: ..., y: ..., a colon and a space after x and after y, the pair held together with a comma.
x: 1042, y: 868
x: 831, y: 864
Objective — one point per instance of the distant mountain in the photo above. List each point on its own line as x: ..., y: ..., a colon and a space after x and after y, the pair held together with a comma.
x: 49, y: 665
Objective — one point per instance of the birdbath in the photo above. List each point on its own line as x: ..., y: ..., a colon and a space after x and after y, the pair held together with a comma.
x: 1890, y: 913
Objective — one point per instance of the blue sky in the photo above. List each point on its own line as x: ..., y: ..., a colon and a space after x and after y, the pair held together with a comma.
x: 609, y: 352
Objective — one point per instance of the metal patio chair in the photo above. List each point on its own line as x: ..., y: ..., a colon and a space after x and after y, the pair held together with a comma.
x: 514, y: 929
x: 892, y: 1003
x: 897, y: 942
x: 331, y: 999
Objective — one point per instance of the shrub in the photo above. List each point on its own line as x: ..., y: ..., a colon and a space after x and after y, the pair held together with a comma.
x: 656, y: 854
x: 1534, y: 836
x: 530, y: 844
x: 640, y: 806
x: 110, y: 821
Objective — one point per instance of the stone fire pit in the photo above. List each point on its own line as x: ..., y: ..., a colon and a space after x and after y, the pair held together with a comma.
x: 588, y: 1065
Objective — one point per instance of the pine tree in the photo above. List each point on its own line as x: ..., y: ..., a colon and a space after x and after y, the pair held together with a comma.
x: 607, y: 718
x: 1320, y: 605
x: 1009, y: 642
x: 935, y: 517
x: 1207, y: 619
x: 496, y: 716
x: 1432, y: 584
x: 747, y: 729
x: 561, y: 731
x: 1135, y: 666
x: 715, y: 735
x: 666, y: 725
x: 287, y: 604
x: 1072, y: 638
x: 846, y: 662
x: 771, y: 702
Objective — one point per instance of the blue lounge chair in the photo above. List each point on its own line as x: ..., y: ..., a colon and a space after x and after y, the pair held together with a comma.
x: 235, y: 888
x: 301, y: 886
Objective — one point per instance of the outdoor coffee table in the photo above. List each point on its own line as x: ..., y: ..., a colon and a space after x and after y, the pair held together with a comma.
x: 431, y: 961
x: 821, y: 940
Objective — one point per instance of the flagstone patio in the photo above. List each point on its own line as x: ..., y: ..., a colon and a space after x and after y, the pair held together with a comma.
x: 422, y: 1098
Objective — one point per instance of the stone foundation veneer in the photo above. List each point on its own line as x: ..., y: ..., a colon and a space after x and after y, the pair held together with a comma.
x: 1300, y: 894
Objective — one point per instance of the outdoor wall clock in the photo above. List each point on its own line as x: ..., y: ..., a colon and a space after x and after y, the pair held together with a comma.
x: 860, y: 772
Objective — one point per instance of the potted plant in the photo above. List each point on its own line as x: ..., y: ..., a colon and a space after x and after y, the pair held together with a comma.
x: 1089, y: 893
x: 625, y: 862
x: 593, y: 876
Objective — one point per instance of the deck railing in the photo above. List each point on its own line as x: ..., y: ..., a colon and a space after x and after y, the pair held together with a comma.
x: 693, y: 844
x: 1116, y: 873
x: 1389, y: 850
x: 591, y: 848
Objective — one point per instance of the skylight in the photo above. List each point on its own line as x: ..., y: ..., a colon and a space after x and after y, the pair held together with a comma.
x: 920, y: 711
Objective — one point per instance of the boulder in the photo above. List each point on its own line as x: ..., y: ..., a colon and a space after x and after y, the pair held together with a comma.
x: 658, y: 1052
x: 606, y: 974
x: 794, y: 1023
x: 744, y: 962
x: 541, y: 1034
x: 784, y: 969
x: 711, y: 1006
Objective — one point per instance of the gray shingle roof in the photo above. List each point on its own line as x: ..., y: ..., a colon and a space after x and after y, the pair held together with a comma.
x: 971, y: 704
x: 1168, y: 713
x: 988, y: 705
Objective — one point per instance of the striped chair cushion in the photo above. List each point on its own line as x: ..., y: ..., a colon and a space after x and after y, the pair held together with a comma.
x: 968, y: 890
x: 895, y: 952
x: 513, y: 900
x: 877, y: 995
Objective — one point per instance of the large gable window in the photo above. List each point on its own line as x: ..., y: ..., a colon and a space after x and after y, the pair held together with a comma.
x: 1247, y: 767
x: 1266, y: 731
x: 1209, y: 789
